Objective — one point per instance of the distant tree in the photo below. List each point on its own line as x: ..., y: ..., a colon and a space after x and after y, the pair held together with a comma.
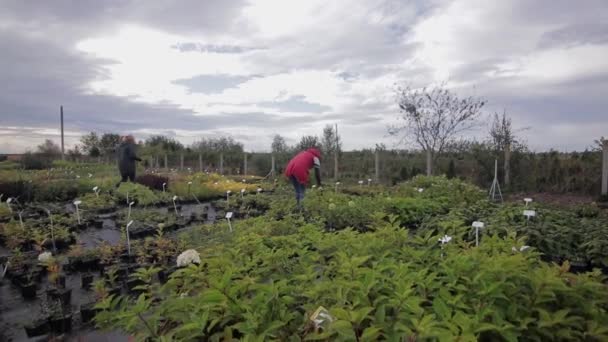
x: 433, y: 117
x: 278, y: 144
x: 308, y: 141
x: 221, y: 144
x: 48, y: 148
x: 163, y: 143
x: 108, y: 143
x: 330, y: 140
x: 89, y: 144
x: 74, y: 153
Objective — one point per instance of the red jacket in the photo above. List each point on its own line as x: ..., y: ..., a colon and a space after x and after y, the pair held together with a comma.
x: 299, y: 165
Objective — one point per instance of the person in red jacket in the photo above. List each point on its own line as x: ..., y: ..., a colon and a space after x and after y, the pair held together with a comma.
x: 297, y: 170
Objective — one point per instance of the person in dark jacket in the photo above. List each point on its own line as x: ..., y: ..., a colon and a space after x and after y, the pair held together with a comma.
x: 127, y: 159
x: 297, y: 171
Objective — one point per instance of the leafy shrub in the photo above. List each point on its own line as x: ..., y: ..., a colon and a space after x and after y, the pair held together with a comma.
x: 93, y: 202
x: 141, y: 194
x: 35, y: 161
x: 377, y: 285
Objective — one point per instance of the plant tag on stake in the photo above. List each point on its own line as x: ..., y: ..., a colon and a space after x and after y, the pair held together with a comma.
x: 369, y: 181
x: 360, y: 183
x: 164, y: 185
x: 527, y: 200
x: 477, y: 225
x: 128, y: 239
x: 321, y: 319
x: 242, y: 193
x: 529, y: 213
x: 76, y: 204
x: 228, y: 217
x: 174, y: 206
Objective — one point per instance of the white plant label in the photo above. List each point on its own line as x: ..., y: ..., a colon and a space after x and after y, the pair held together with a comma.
x: 527, y: 200
x: 229, y: 215
x: 529, y: 213
x: 174, y: 198
x: 478, y: 224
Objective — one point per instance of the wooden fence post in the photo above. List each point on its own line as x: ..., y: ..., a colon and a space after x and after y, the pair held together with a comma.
x: 507, y: 165
x: 605, y: 169
x: 245, y: 164
x: 377, y: 165
x: 221, y: 163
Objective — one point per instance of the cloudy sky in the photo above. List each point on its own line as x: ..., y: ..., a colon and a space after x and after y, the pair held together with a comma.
x: 250, y: 69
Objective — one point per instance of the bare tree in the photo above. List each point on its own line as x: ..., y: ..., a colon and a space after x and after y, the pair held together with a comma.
x: 278, y: 144
x: 433, y: 117
x: 503, y: 135
x: 308, y: 141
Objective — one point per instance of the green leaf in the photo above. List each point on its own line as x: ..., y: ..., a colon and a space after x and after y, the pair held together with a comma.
x: 343, y: 328
x: 371, y: 334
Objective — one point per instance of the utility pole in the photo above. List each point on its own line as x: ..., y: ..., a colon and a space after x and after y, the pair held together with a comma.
x: 62, y: 146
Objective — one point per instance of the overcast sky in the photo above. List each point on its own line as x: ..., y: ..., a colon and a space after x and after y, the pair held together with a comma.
x: 250, y: 69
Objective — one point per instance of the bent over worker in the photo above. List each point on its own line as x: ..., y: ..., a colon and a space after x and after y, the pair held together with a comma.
x: 126, y: 159
x: 297, y: 171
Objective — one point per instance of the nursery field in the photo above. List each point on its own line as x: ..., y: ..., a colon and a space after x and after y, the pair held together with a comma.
x: 201, y: 257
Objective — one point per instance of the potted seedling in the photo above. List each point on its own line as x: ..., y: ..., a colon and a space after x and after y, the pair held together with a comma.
x: 52, y: 230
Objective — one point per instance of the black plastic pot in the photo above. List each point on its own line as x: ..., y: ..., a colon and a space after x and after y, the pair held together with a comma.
x: 38, y: 327
x: 28, y: 290
x: 61, y: 324
x: 579, y: 267
x: 87, y: 312
x: 86, y: 280
x: 62, y: 295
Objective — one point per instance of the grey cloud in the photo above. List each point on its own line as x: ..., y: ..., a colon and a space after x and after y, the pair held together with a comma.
x: 213, y: 48
x: 296, y: 103
x: 576, y: 34
x: 213, y: 84
x: 85, y: 17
